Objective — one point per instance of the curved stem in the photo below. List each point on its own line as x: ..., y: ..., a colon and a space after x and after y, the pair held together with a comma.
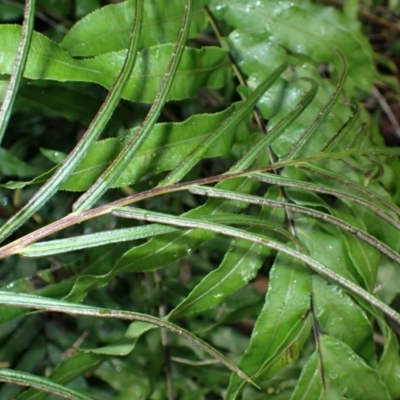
x: 19, y: 66
x: 90, y: 136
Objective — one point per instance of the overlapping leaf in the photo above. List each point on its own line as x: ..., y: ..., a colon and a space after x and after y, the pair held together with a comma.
x: 161, y: 22
x: 305, y: 29
x: 46, y: 60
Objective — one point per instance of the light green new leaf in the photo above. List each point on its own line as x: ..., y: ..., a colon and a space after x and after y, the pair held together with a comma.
x: 125, y: 345
x: 161, y: 22
x: 208, y: 67
x: 286, y: 304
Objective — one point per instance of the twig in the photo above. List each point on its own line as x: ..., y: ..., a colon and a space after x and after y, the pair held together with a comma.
x: 387, y: 110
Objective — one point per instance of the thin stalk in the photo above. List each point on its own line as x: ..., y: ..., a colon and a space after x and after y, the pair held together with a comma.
x: 19, y: 66
x: 50, y: 305
x: 365, y: 237
x: 124, y: 158
x: 296, y: 149
x: 271, y: 179
x: 144, y: 215
x: 93, y: 132
x: 77, y: 218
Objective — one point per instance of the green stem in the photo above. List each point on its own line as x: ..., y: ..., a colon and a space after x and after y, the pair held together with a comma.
x: 135, y: 213
x: 90, y: 136
x: 124, y: 158
x: 19, y: 66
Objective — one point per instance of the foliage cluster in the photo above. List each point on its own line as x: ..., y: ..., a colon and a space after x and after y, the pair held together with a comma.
x: 239, y: 186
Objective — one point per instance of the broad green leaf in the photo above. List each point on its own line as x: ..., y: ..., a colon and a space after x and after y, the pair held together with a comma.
x: 161, y: 22
x: 150, y: 216
x: 305, y: 29
x: 339, y: 316
x: 94, y: 130
x: 121, y: 162
x: 167, y: 249
x: 309, y: 385
x: 195, y: 156
x: 351, y: 375
x: 45, y: 384
x: 167, y: 145
x: 239, y: 266
x: 346, y: 375
x: 256, y: 57
x: 286, y: 304
x: 13, y: 166
x: 326, y: 247
x: 46, y: 60
x: 389, y: 364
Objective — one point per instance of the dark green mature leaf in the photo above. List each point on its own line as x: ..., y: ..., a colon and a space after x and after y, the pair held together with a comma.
x: 29, y: 362
x: 167, y: 145
x: 306, y: 29
x: 389, y: 364
x: 161, y: 22
x: 13, y: 166
x: 346, y: 375
x: 351, y: 375
x: 339, y: 316
x: 71, y: 104
x: 309, y: 384
x: 46, y: 304
x: 46, y: 60
x: 286, y: 304
x: 239, y: 266
x: 326, y: 247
